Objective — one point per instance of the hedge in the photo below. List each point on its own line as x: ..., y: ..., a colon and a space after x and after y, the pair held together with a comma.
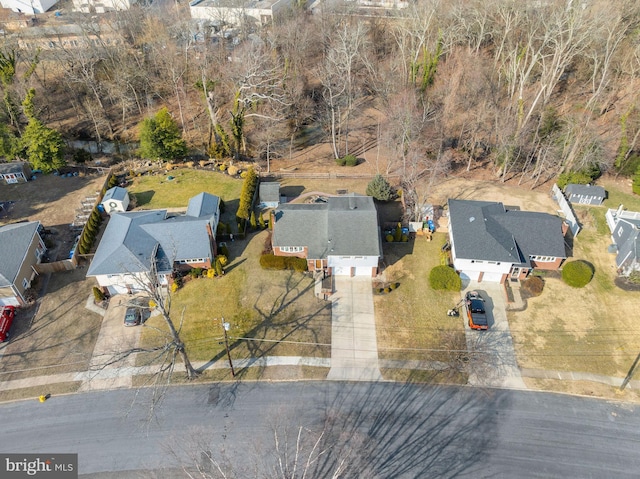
x: 444, y: 278
x: 271, y: 261
x: 577, y: 274
x: 249, y: 186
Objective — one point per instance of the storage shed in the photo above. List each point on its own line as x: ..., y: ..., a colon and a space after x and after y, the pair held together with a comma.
x: 115, y: 200
x: 269, y: 193
x: 14, y: 172
x: 585, y: 194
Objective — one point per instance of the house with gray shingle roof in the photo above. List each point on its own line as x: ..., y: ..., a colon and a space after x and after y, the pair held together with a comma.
x: 340, y: 236
x: 625, y: 233
x: 492, y: 243
x: 269, y: 194
x: 143, y: 246
x: 22, y: 248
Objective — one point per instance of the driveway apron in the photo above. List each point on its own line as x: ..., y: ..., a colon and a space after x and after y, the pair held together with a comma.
x: 354, y: 349
x: 493, y: 359
x: 106, y: 370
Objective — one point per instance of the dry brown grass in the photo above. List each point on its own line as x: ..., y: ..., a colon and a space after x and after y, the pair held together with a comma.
x: 62, y: 335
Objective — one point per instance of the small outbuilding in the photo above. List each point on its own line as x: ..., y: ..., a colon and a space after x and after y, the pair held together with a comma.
x: 269, y: 193
x: 585, y: 194
x: 115, y: 200
x: 14, y: 172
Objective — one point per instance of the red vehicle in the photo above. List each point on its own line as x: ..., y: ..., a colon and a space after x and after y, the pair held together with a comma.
x: 6, y: 320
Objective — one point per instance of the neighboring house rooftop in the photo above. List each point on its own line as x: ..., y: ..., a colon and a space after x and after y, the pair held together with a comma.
x: 131, y: 240
x: 487, y: 231
x: 115, y: 193
x: 343, y: 226
x: 15, y: 240
x: 586, y: 190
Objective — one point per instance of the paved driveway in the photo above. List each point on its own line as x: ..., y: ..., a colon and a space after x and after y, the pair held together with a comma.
x: 354, y: 348
x: 493, y: 359
x: 109, y: 360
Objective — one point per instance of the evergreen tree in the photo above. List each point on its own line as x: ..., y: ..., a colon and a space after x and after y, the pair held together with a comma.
x: 43, y: 146
x: 160, y: 137
x: 252, y: 221
x: 379, y: 188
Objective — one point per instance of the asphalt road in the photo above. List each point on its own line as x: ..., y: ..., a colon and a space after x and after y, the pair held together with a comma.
x: 371, y: 430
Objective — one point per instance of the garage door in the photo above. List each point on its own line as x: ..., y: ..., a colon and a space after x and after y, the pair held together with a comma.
x: 492, y: 277
x: 469, y: 275
x: 342, y: 270
x: 363, y: 271
x: 9, y: 301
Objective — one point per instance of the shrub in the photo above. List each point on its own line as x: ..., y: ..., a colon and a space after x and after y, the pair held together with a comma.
x: 174, y: 286
x: 195, y: 272
x: 379, y: 188
x: 222, y: 229
x: 98, y: 295
x: 81, y: 156
x: 389, y: 238
x: 249, y: 186
x: 218, y: 267
x: 113, y: 181
x: 444, y: 278
x: 211, y: 273
x: 261, y: 222
x: 340, y: 161
x: 252, y: 221
x: 635, y: 182
x: 397, y: 234
x: 223, y: 259
x: 271, y: 261
x: 224, y: 251
x: 394, y: 285
x: 405, y: 238
x: 232, y: 170
x: 350, y: 160
x: 533, y: 285
x: 577, y: 274
x: 387, y: 290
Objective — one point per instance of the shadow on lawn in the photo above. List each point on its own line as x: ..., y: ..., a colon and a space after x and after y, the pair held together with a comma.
x: 272, y: 320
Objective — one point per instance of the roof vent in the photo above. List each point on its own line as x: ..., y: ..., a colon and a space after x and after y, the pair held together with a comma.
x: 352, y: 203
x: 472, y: 219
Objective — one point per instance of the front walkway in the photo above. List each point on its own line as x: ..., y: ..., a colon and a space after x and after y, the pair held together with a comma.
x: 492, y: 356
x: 354, y: 347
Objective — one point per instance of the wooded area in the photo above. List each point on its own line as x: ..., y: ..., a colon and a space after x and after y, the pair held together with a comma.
x: 529, y: 89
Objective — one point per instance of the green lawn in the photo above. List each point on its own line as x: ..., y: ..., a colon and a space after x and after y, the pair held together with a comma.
x: 155, y: 191
x: 276, y: 309
x: 412, y: 321
x: 592, y: 329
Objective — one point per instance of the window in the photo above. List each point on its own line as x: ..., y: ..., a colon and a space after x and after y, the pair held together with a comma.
x: 619, y: 232
x: 291, y: 249
x: 25, y: 283
x: 543, y: 259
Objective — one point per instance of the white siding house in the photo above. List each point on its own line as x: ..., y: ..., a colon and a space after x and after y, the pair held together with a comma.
x: 30, y: 7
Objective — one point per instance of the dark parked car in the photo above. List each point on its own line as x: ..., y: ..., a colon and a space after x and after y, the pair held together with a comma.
x: 475, y: 311
x: 132, y: 317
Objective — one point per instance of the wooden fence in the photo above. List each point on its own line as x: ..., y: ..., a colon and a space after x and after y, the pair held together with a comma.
x: 320, y: 176
x: 56, y: 266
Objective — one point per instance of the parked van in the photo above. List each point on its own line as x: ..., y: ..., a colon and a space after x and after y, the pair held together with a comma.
x: 6, y: 320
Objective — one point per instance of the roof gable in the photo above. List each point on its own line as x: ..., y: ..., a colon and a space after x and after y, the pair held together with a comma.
x: 15, y: 240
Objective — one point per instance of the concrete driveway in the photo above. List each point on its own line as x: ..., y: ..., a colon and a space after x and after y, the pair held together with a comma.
x: 492, y: 360
x: 109, y: 362
x: 354, y: 347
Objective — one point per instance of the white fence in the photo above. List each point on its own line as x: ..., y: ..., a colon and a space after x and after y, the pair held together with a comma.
x: 566, y: 209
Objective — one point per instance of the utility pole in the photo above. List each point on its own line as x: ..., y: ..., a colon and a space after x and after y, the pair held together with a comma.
x: 225, y: 327
x: 630, y: 373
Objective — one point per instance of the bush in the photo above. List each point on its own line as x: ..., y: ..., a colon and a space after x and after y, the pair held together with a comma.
x: 224, y: 251
x: 387, y: 290
x: 635, y: 183
x: 404, y: 238
x: 580, y: 177
x: 444, y: 278
x: 533, y: 285
x: 397, y: 234
x: 174, y: 286
x: 350, y: 160
x: 211, y: 273
x: 271, y: 261
x: 634, y: 277
x: 577, y: 274
x: 233, y: 170
x: 195, y: 272
x: 222, y: 229
x: 81, y: 156
x: 223, y: 259
x: 389, y: 238
x: 340, y: 161
x: 98, y: 295
x: 249, y: 186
